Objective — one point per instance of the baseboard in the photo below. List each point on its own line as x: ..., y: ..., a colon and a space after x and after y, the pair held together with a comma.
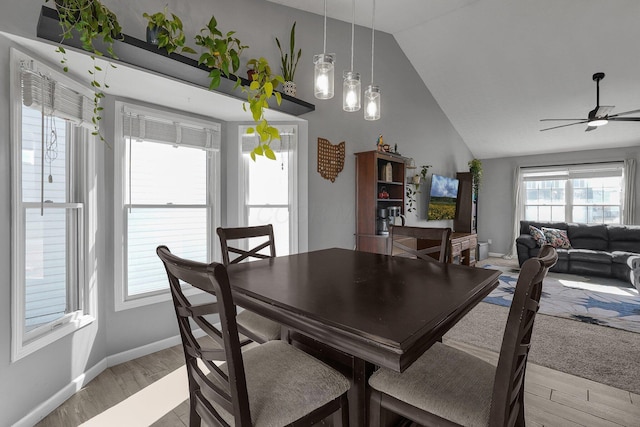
x: 495, y: 255
x: 48, y: 406
x: 61, y: 396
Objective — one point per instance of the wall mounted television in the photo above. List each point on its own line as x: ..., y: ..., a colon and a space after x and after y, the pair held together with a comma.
x: 442, y: 198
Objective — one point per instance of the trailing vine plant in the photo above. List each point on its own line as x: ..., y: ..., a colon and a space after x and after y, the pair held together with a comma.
x: 93, y: 21
x: 413, y: 188
x: 259, y: 91
x: 221, y: 52
x: 475, y: 167
x: 170, y: 32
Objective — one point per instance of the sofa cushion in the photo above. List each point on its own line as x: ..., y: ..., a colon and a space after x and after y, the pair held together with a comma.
x: 538, y: 235
x: 621, y: 257
x: 556, y: 237
x: 524, y: 225
x: 526, y: 240
x: 590, y: 256
x: 624, y: 238
x: 589, y: 236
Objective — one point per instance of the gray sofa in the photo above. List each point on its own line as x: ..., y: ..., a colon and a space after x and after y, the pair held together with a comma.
x: 596, y: 250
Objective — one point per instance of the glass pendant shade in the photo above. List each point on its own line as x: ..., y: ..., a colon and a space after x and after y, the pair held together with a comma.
x: 372, y: 103
x: 351, y: 91
x: 323, y: 75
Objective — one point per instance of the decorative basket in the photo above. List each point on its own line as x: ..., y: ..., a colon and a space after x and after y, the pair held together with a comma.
x: 289, y: 88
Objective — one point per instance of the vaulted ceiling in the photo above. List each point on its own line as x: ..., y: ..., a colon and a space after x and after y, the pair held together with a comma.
x: 496, y: 67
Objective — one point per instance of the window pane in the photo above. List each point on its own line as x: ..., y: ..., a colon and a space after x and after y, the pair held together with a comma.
x: 268, y: 180
x: 183, y: 231
x: 531, y: 213
x: 279, y: 218
x: 55, y: 180
x: 163, y: 174
x: 557, y: 213
x: 46, y: 267
x: 580, y: 214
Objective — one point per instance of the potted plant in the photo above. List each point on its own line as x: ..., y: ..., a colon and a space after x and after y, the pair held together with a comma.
x: 475, y: 167
x: 221, y: 52
x: 413, y: 187
x: 93, y: 22
x: 289, y: 62
x: 166, y: 33
x: 260, y: 90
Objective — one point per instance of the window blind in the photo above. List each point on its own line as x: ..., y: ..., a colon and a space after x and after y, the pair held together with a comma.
x: 153, y: 129
x: 588, y: 170
x: 42, y: 92
x: 287, y: 141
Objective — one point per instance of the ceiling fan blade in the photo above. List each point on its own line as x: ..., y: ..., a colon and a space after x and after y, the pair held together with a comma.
x: 562, y: 126
x: 560, y: 120
x: 590, y: 128
x: 603, y: 110
x: 625, y: 113
x: 625, y: 119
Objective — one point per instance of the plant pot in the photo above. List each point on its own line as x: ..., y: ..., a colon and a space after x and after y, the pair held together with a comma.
x: 250, y: 74
x: 152, y: 34
x: 289, y: 88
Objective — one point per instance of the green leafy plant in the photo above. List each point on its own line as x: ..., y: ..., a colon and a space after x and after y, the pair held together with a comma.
x: 93, y: 22
x: 475, y: 167
x: 222, y: 52
x: 170, y: 32
x: 260, y: 90
x: 413, y: 188
x: 289, y: 61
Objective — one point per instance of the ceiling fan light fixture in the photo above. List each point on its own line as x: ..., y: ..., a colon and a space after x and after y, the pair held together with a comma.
x: 598, y: 122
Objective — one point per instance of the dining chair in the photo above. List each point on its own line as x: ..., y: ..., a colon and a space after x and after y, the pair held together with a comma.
x: 402, y: 239
x: 449, y: 387
x: 272, y: 384
x: 252, y: 325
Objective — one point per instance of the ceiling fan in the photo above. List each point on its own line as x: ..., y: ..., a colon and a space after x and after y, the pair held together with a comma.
x: 598, y: 116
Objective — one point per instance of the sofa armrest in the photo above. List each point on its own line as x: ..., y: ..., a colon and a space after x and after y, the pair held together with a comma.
x: 527, y: 240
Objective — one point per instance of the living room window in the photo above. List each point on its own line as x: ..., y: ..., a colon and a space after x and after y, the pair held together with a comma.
x: 270, y: 188
x: 589, y: 193
x: 167, y: 193
x: 53, y: 168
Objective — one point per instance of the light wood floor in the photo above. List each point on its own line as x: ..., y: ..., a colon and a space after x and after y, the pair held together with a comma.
x: 152, y: 390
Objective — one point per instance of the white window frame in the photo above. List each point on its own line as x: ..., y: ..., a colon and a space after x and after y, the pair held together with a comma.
x: 122, y: 300
x: 293, y: 180
x: 24, y: 343
x: 569, y: 172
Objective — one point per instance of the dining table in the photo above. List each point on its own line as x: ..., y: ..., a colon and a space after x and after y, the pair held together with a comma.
x: 370, y: 310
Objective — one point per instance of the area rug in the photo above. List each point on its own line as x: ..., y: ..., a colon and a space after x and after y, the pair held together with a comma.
x: 594, y: 300
x: 606, y: 355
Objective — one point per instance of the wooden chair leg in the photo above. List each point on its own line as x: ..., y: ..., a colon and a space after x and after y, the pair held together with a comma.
x: 376, y: 412
x: 341, y: 417
x: 194, y: 417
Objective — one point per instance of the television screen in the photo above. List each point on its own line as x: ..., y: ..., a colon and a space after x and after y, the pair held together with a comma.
x: 442, y: 198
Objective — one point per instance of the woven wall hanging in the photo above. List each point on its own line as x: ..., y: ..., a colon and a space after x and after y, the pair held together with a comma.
x: 330, y: 159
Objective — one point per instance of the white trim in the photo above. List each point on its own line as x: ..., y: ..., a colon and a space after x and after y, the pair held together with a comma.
x: 121, y: 300
x: 49, y: 405
x: 23, y: 343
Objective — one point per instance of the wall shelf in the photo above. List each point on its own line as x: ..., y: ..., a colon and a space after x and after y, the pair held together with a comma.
x: 144, y: 55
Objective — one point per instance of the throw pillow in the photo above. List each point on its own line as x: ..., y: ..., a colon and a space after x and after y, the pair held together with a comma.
x: 537, y: 235
x: 556, y: 238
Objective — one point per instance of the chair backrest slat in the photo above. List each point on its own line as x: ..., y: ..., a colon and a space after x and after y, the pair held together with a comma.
x: 508, y: 389
x: 227, y: 235
x: 227, y: 387
x: 436, y: 238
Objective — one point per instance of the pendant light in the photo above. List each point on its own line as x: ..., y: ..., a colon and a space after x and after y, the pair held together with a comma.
x: 372, y: 94
x: 323, y: 70
x: 351, y: 85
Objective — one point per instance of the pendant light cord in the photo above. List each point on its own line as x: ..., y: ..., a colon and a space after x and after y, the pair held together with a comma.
x: 353, y: 22
x: 324, y: 49
x: 373, y: 30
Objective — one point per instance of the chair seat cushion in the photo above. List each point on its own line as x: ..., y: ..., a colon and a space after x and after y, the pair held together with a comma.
x: 444, y: 381
x: 262, y: 327
x: 284, y: 384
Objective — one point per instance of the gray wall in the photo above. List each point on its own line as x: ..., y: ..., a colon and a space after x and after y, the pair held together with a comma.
x: 496, y: 210
x: 410, y: 118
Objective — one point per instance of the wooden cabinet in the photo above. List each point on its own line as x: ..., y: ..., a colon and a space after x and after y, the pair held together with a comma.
x: 375, y: 190
x: 462, y: 248
x: 466, y: 210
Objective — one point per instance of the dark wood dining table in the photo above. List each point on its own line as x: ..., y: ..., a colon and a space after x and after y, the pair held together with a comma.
x: 376, y: 309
